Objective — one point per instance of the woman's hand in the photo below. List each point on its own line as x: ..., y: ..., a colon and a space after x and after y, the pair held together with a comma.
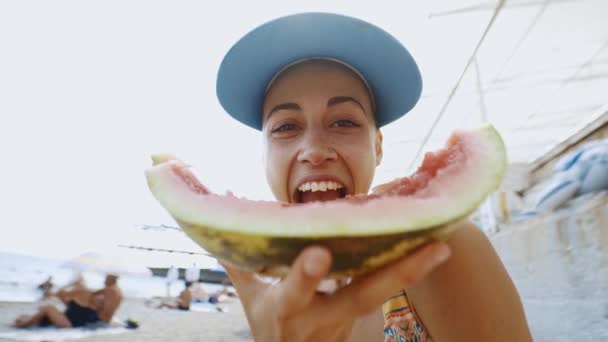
x: 292, y: 309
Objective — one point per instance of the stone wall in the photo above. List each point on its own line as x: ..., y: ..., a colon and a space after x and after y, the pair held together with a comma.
x: 559, y: 263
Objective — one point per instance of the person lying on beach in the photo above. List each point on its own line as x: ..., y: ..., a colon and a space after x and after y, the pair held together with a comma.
x: 199, y: 294
x: 226, y: 291
x: 222, y: 295
x: 82, y: 307
x: 182, y: 302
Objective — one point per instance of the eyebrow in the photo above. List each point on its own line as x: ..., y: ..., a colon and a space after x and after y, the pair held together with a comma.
x: 336, y: 100
x: 342, y: 99
x: 282, y: 106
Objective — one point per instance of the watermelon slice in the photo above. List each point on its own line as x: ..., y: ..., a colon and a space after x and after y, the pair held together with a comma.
x: 363, y: 232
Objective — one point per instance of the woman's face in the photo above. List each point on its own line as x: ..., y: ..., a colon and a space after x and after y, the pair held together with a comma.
x: 321, y: 142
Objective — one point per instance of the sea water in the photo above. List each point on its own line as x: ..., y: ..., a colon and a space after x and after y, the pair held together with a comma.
x: 20, y: 275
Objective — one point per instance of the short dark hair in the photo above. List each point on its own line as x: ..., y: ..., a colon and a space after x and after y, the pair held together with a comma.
x: 188, y: 283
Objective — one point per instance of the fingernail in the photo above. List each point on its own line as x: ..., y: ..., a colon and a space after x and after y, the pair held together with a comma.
x: 442, y: 253
x: 314, y: 265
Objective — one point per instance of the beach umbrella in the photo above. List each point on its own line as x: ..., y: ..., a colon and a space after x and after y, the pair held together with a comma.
x: 95, y: 262
x: 193, y: 273
x: 172, y: 274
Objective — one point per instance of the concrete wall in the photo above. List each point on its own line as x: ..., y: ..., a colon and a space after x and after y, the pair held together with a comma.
x: 559, y: 263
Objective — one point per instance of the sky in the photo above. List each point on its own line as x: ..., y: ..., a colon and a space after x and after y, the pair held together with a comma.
x: 89, y: 90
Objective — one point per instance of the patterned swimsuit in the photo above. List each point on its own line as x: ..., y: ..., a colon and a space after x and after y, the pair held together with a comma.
x: 401, y: 324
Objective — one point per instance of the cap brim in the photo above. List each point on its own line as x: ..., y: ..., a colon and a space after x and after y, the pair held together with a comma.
x: 251, y: 63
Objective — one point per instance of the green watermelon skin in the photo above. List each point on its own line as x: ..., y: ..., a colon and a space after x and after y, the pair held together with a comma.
x: 362, y: 233
x: 272, y: 256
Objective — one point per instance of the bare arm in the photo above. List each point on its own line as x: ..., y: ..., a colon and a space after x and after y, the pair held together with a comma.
x: 111, y: 301
x: 67, y: 295
x: 63, y: 295
x: 99, y: 292
x: 470, y: 297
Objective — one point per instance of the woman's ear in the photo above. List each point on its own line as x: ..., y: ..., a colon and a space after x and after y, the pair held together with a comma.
x: 378, y: 147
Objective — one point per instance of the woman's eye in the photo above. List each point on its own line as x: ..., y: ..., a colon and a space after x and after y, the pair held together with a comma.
x: 284, y: 128
x: 345, y: 123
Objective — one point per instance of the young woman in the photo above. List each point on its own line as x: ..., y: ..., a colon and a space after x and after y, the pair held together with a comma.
x: 319, y: 86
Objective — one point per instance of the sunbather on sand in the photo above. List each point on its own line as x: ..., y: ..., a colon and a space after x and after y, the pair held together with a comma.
x: 82, y: 307
x: 182, y: 302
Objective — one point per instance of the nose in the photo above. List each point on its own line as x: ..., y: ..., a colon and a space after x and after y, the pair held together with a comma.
x: 316, y: 151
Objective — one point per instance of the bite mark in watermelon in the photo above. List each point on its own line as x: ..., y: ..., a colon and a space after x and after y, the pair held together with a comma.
x: 363, y: 232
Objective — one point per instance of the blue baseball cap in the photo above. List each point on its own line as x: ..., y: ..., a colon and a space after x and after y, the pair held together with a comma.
x: 380, y: 59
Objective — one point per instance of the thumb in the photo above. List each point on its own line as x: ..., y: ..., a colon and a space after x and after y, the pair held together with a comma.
x: 300, y: 286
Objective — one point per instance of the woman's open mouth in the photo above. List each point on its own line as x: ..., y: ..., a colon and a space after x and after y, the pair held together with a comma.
x: 319, y: 191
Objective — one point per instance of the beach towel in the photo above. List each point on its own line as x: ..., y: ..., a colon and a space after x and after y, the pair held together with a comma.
x: 199, y: 307
x: 207, y: 307
x: 194, y: 306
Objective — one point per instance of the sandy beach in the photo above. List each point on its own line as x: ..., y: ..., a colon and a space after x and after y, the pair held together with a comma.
x: 158, y: 324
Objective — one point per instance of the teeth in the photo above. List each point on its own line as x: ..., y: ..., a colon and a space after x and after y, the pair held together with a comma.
x: 333, y: 186
x: 320, y: 186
